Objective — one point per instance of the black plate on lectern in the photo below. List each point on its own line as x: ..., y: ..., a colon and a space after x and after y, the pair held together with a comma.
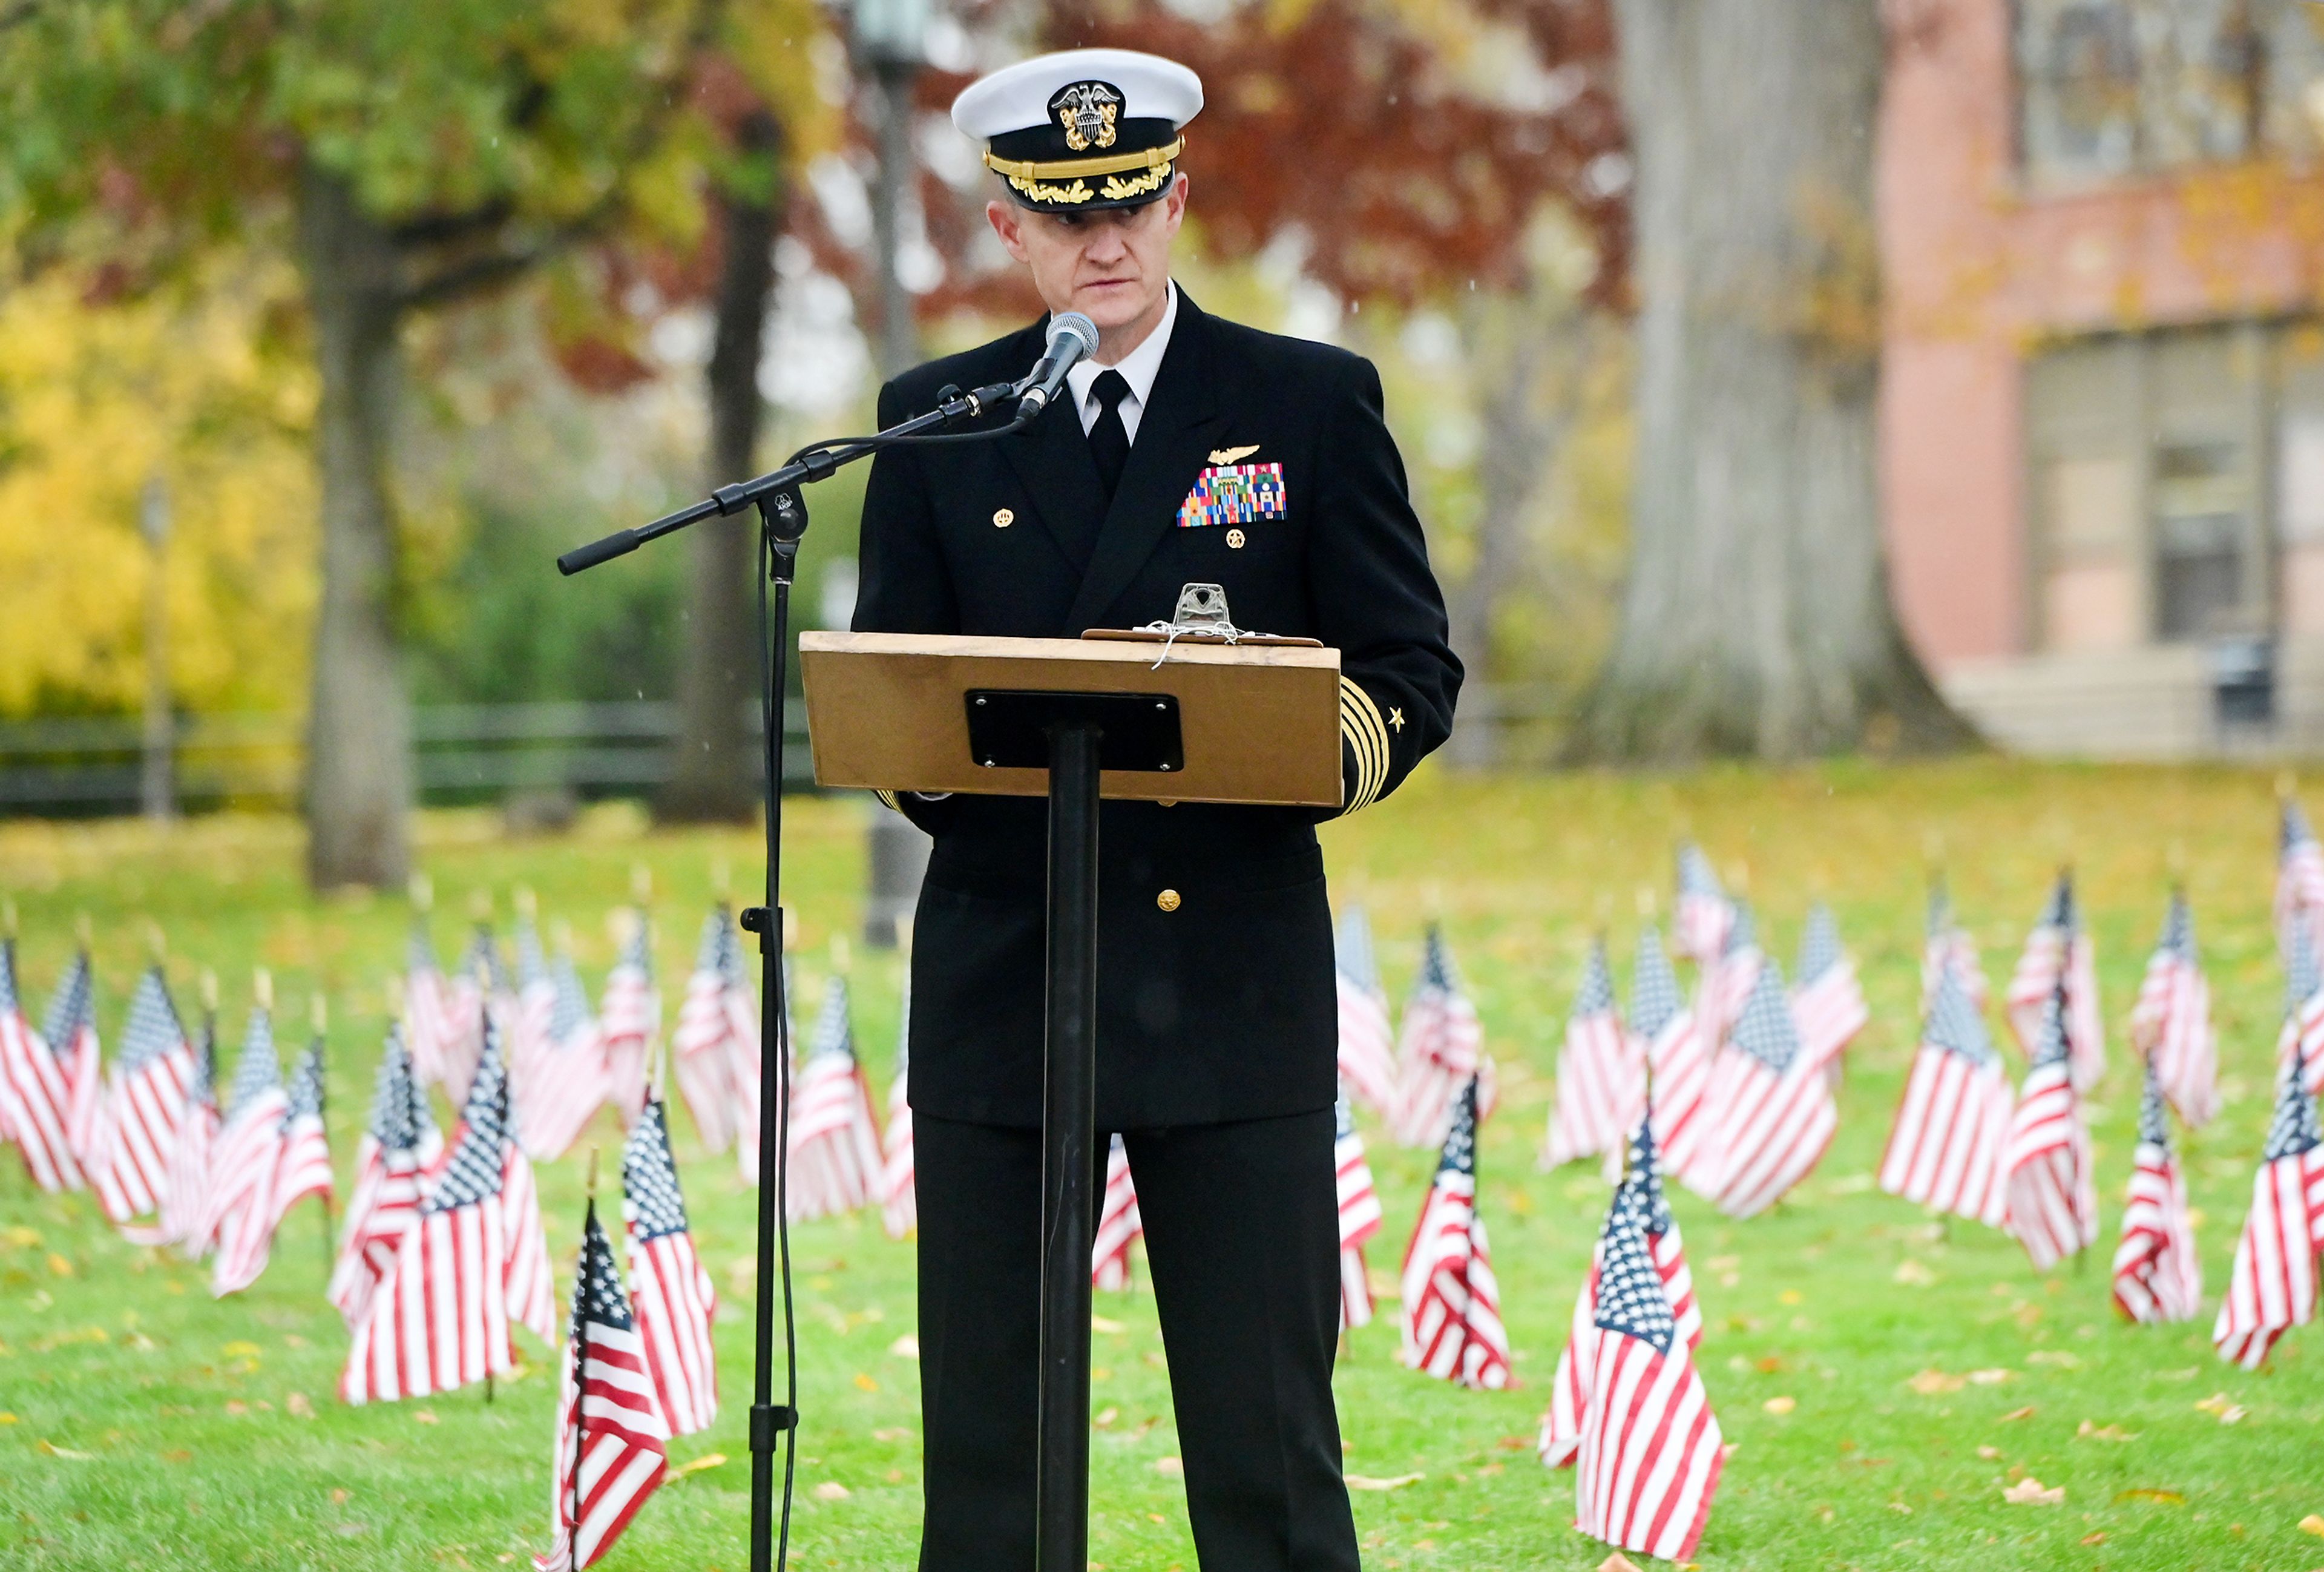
x: 1009, y: 729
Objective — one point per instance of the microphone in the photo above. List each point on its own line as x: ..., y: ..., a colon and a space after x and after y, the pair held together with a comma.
x: 1072, y: 337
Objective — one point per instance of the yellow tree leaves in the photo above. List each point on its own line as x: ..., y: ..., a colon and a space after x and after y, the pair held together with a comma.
x: 96, y: 401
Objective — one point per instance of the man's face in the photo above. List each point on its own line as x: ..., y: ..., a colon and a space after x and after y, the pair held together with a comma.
x: 1113, y: 267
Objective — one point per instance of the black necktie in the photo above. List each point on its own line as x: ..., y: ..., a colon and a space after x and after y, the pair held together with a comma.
x: 1109, y: 438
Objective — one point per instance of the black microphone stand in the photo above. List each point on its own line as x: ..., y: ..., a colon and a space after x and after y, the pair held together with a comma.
x: 782, y: 524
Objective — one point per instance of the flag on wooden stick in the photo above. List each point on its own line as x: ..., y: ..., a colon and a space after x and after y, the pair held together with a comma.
x: 2052, y: 1201
x: 2156, y: 1274
x: 241, y: 1211
x: 1648, y: 1460
x: 2059, y: 955
x: 2300, y: 1045
x: 1776, y: 1113
x: 69, y: 1028
x: 899, y: 1203
x: 676, y: 1305
x: 1639, y: 1187
x: 709, y: 1020
x: 1664, y: 1041
x: 1119, y: 1225
x: 2298, y: 882
x: 1948, y: 948
x: 145, y: 1103
x: 569, y: 1083
x: 393, y: 1160
x: 431, y: 1029
x: 1359, y: 1218
x: 2170, y: 1025
x: 613, y: 1439
x: 1366, y: 1053
x: 1827, y: 1001
x: 1953, y: 1129
x: 482, y: 987
x: 35, y: 1091
x: 835, y: 1164
x: 1595, y: 1072
x: 1697, y: 1152
x: 305, y: 1169
x: 186, y: 1216
x: 1442, y: 1049
x: 2272, y: 1285
x: 1452, y: 1301
x: 629, y: 1014
x: 1704, y: 914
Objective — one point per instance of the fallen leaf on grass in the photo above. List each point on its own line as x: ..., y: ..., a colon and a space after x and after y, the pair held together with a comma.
x: 7, y: 1418
x: 892, y: 1434
x: 2096, y: 1538
x: 1171, y: 1467
x: 2029, y: 1491
x: 22, y: 1238
x: 1930, y: 1383
x: 1790, y: 1296
x: 2057, y: 1357
x: 423, y: 1416
x: 1365, y: 1482
x: 865, y: 1383
x: 1106, y: 1416
x: 1988, y: 1452
x: 339, y: 1498
x: 235, y: 1408
x: 708, y: 1460
x: 2091, y: 1432
x: 1768, y: 1366
x: 2160, y: 1497
x: 830, y: 1490
x: 58, y: 1266
x: 2312, y: 1524
x: 1780, y: 1405
x: 2025, y: 1413
x: 1617, y: 1562
x: 1912, y: 1274
x: 67, y: 1453
x: 1101, y: 1323
x: 905, y: 1347
x: 1989, y: 1377
x: 298, y: 1407
x: 2218, y: 1403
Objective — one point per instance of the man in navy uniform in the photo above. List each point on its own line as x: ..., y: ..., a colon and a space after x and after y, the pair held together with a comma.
x: 1187, y: 450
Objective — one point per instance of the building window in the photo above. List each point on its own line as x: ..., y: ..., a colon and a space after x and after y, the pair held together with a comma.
x: 2114, y: 89
x: 2153, y: 518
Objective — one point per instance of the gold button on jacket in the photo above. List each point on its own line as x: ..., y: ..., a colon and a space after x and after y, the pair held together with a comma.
x: 1167, y: 901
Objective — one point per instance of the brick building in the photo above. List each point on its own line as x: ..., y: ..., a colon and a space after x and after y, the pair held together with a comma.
x: 2102, y: 231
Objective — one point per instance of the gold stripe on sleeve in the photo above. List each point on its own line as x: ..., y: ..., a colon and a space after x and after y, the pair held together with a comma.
x: 1367, y: 735
x: 889, y: 799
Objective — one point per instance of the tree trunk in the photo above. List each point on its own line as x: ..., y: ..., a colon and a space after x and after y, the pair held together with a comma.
x: 1757, y: 618
x: 715, y: 776
x: 358, y: 787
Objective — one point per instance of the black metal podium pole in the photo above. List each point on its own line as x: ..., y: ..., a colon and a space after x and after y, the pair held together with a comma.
x: 1068, y: 1156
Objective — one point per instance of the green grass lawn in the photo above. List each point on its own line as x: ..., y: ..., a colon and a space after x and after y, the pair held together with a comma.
x: 142, y: 1425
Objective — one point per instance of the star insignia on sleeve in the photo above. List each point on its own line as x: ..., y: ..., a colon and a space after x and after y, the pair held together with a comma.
x: 1395, y: 718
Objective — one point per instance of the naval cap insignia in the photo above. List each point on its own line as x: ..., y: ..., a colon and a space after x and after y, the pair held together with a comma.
x: 1087, y: 111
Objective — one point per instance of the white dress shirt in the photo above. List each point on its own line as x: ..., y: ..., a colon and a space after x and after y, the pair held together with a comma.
x: 1137, y: 367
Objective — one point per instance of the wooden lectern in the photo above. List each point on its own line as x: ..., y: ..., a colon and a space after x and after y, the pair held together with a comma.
x: 1073, y: 719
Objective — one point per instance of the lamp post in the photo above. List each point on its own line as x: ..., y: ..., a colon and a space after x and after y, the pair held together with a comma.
x: 890, y: 37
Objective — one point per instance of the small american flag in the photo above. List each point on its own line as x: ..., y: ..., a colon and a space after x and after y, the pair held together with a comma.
x: 35, y: 1092
x: 630, y: 1016
x: 480, y: 987
x: 1826, y: 1000
x: 1442, y: 1049
x: 676, y: 1302
x: 705, y: 1024
x: 2298, y: 882
x: 1696, y: 1151
x: 431, y: 1028
x: 69, y: 1028
x: 185, y: 1199
x: 2058, y: 953
x: 613, y: 1439
x: 568, y: 1069
x: 1640, y: 1188
x: 1947, y: 947
x: 305, y: 1166
x: 529, y: 1028
x: 899, y: 1200
x: 1366, y: 1053
x: 2052, y: 1202
x: 2272, y: 1287
x: 1596, y: 1076
x: 1777, y: 1112
x: 744, y: 1066
x: 144, y: 1104
x: 835, y: 1164
x: 1650, y: 1450
x: 1704, y: 913
x: 393, y: 1160
x: 1359, y: 1218
x: 1664, y: 1038
x: 1452, y: 1302
x: 2156, y: 1274
x: 472, y: 1263
x: 2170, y: 1025
x: 1119, y: 1225
x: 241, y: 1210
x: 2300, y: 1046
x: 1953, y: 1128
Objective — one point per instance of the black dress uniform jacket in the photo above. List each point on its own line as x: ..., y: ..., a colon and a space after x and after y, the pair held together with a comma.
x: 1218, y: 1004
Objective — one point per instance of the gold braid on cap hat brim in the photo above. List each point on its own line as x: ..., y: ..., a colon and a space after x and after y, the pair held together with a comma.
x: 1034, y: 180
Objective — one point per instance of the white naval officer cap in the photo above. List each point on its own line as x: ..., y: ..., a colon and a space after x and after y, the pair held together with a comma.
x: 1082, y: 129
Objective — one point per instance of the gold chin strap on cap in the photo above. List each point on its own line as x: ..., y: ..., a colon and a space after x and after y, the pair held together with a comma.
x: 1153, y: 158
